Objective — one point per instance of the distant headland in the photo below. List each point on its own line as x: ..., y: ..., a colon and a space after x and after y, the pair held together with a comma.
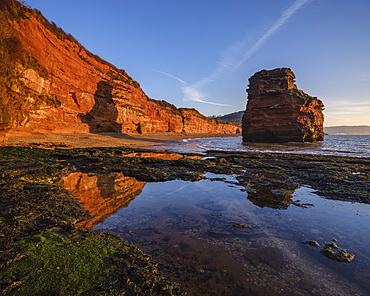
x: 348, y: 130
x: 329, y: 130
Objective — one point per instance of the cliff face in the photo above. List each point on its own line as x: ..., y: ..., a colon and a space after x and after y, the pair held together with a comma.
x: 50, y: 83
x: 277, y: 111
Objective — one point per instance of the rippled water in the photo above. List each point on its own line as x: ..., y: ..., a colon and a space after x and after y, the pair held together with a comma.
x: 344, y: 145
x: 216, y: 240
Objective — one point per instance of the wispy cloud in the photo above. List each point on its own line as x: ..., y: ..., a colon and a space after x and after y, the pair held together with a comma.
x: 178, y: 79
x: 234, y: 56
x: 237, y: 54
x: 286, y: 15
x: 340, y: 112
x: 190, y: 93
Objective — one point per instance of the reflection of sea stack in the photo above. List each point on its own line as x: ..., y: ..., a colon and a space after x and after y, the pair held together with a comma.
x: 277, y: 111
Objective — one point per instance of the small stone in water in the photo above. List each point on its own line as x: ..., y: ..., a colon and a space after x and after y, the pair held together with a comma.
x: 331, y: 246
x: 240, y: 225
x: 333, y: 252
x: 312, y: 243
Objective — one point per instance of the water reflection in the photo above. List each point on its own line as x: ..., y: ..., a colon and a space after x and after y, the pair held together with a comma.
x: 344, y: 145
x: 161, y: 155
x: 191, y: 230
x: 102, y: 195
x: 273, y: 192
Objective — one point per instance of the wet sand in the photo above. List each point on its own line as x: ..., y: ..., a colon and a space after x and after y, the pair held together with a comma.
x: 102, y: 139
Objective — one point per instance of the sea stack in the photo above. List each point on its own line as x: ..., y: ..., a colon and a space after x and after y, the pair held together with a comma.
x: 277, y: 111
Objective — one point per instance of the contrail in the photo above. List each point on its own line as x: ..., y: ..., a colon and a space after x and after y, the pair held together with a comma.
x: 228, y: 63
x: 275, y: 27
x: 178, y: 79
x: 190, y: 93
x: 233, y: 58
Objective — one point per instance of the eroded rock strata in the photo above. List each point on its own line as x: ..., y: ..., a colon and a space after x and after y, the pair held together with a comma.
x: 51, y: 83
x: 277, y: 111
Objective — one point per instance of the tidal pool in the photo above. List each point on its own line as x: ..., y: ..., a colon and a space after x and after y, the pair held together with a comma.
x: 208, y: 236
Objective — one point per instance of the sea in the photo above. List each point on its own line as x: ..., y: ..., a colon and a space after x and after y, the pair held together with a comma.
x: 340, y: 145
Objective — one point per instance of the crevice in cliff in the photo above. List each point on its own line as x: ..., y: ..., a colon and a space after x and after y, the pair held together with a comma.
x: 74, y: 98
x: 51, y: 83
x: 103, y: 115
x: 183, y: 123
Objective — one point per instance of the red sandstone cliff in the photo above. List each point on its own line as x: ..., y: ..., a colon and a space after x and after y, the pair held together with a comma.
x: 50, y: 83
x: 277, y: 111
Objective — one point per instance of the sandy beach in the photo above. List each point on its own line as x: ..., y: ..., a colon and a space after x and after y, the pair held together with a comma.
x: 102, y: 139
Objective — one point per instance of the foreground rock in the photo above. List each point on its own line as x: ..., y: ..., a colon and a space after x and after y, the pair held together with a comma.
x: 51, y: 83
x: 332, y: 251
x: 277, y: 111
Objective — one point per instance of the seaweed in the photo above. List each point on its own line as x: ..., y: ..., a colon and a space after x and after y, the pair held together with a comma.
x: 38, y: 214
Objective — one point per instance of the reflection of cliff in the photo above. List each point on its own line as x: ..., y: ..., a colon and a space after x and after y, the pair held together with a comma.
x: 102, y: 195
x: 158, y: 155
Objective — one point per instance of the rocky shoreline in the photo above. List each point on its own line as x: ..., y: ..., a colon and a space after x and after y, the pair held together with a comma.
x: 39, y: 216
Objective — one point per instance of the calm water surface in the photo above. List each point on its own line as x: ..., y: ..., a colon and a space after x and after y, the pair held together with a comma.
x: 215, y: 239
x: 211, y: 238
x: 343, y: 145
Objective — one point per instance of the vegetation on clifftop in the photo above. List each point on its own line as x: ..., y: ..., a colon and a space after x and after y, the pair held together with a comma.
x: 15, y: 58
x: 301, y: 94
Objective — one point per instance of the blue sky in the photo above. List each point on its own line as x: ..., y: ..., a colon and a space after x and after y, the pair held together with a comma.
x: 200, y: 53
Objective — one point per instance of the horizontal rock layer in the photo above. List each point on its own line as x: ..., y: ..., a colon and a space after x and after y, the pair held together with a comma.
x: 277, y: 111
x: 50, y: 83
